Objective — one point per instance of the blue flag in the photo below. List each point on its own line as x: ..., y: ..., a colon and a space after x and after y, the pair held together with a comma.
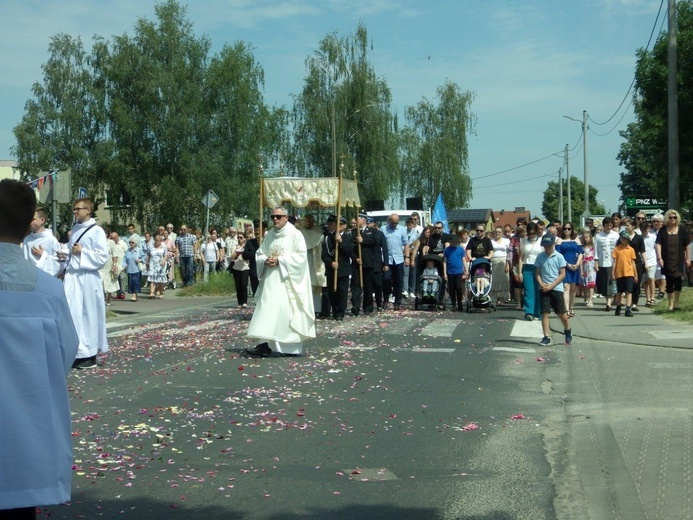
x: 439, y: 213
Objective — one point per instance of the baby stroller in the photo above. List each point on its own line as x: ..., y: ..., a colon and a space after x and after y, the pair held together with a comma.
x: 430, y: 288
x: 479, y: 285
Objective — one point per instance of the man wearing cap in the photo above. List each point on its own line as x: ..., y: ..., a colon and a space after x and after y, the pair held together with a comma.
x: 549, y: 270
x: 284, y: 317
x: 337, y: 265
x: 371, y: 242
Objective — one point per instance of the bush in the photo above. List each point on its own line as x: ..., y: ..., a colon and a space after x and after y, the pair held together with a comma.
x: 218, y: 284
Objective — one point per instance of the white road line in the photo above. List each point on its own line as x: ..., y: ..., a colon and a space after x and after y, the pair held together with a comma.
x: 425, y: 350
x: 440, y: 328
x: 510, y: 349
x: 527, y: 329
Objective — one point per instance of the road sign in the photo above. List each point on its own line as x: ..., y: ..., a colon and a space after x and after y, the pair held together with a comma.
x: 646, y: 202
x: 210, y: 199
x: 81, y: 192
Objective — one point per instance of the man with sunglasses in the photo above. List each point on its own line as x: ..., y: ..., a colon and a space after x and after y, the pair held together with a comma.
x: 284, y: 315
x: 479, y: 246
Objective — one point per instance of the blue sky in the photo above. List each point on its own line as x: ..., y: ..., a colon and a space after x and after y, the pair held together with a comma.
x: 529, y: 62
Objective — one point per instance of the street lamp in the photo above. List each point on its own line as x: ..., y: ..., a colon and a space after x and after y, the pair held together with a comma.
x: 586, y: 213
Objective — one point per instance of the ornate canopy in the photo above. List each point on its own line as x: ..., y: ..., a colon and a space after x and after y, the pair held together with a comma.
x: 302, y: 191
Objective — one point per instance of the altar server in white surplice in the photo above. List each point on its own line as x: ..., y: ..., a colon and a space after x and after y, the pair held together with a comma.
x: 88, y: 252
x: 40, y: 246
x: 38, y: 344
x: 314, y: 238
x: 284, y: 317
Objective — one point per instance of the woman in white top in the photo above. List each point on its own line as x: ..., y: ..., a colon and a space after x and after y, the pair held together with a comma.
x: 211, y: 254
x: 240, y: 268
x: 500, y: 282
x: 530, y: 247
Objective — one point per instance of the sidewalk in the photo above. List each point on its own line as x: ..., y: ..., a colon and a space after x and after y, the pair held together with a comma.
x: 645, y: 328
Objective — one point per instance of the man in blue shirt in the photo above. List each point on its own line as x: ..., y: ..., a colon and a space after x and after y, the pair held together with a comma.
x: 398, y: 257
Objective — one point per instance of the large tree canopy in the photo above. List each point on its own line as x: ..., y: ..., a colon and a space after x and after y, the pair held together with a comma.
x: 549, y: 205
x: 343, y: 116
x: 434, y: 151
x: 643, y: 155
x: 153, y: 116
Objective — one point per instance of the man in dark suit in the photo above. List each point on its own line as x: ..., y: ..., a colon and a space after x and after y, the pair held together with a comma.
x: 375, y: 254
x: 338, y: 266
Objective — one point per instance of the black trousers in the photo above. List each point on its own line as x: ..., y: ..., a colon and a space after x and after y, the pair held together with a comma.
x: 456, y: 289
x: 22, y: 513
x: 240, y: 278
x: 356, y: 290
x: 338, y: 298
x: 640, y: 268
x: 377, y: 289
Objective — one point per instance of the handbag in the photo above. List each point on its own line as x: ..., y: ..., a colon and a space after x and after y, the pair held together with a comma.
x: 141, y: 265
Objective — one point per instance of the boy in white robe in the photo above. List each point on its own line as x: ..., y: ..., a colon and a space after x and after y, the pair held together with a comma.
x: 40, y: 246
x: 88, y: 253
x: 284, y: 316
x: 38, y: 343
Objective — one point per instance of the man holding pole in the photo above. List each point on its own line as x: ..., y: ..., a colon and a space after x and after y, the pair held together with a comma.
x: 337, y: 252
x: 357, y: 265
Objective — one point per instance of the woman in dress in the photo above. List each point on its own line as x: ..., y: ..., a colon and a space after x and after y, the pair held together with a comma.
x: 500, y: 267
x: 672, y: 255
x: 157, y: 262
x: 421, y: 246
x: 530, y: 247
x: 240, y: 268
x: 573, y: 252
x: 588, y: 272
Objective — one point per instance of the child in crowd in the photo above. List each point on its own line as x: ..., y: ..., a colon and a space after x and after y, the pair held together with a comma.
x: 481, y: 280
x: 624, y: 272
x: 588, y: 273
x: 549, y: 268
x: 430, y: 279
x: 454, y: 271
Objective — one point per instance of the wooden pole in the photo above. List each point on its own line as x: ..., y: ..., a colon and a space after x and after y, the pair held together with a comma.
x: 262, y: 196
x: 358, y: 235
x: 339, y: 217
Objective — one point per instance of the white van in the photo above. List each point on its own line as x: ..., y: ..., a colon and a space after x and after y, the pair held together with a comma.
x: 381, y: 216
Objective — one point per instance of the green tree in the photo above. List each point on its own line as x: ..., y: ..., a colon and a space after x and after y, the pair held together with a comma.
x: 343, y: 116
x: 643, y: 155
x: 549, y: 205
x: 434, y: 151
x: 63, y: 126
x: 153, y: 117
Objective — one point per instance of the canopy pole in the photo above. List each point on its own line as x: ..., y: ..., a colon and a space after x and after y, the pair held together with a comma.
x: 262, y: 196
x: 358, y: 235
x: 339, y: 217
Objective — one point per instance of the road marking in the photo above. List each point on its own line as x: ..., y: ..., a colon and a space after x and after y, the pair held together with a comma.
x: 440, y: 328
x: 673, y: 334
x: 527, y: 329
x: 432, y: 350
x: 510, y: 349
x: 370, y: 474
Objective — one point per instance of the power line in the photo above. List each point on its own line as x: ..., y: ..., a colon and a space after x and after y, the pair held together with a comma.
x: 654, y: 27
x: 516, y: 182
x: 616, y: 125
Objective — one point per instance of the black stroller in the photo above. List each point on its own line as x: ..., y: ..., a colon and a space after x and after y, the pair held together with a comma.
x: 430, y: 288
x: 479, y: 285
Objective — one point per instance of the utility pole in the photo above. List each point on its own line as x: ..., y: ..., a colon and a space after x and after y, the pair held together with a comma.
x: 567, y: 176
x: 673, y: 111
x: 560, y: 195
x: 586, y: 213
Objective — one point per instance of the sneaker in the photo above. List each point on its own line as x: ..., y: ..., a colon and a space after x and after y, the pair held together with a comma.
x: 568, y: 337
x: 261, y: 350
x: 405, y: 294
x: 628, y: 314
x: 529, y: 317
x: 546, y: 341
x: 84, y: 363
x: 634, y: 308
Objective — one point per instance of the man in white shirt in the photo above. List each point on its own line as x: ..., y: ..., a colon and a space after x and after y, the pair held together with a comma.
x: 604, y: 244
x: 38, y: 344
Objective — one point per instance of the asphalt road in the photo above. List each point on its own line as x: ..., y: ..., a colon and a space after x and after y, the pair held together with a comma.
x: 410, y: 415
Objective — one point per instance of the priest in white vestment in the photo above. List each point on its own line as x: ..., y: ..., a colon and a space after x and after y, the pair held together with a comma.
x: 38, y: 344
x: 284, y: 315
x: 40, y: 246
x: 314, y: 238
x: 88, y: 253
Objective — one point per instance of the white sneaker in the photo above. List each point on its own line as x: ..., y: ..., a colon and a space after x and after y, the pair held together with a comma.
x: 405, y: 294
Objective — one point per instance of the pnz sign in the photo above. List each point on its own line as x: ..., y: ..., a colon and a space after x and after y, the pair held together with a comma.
x: 645, y: 202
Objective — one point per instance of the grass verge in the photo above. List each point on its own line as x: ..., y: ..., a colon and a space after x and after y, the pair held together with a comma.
x: 219, y: 284
x: 685, y: 304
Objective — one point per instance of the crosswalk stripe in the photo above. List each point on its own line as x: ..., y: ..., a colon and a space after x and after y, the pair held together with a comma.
x: 527, y: 329
x: 440, y: 328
